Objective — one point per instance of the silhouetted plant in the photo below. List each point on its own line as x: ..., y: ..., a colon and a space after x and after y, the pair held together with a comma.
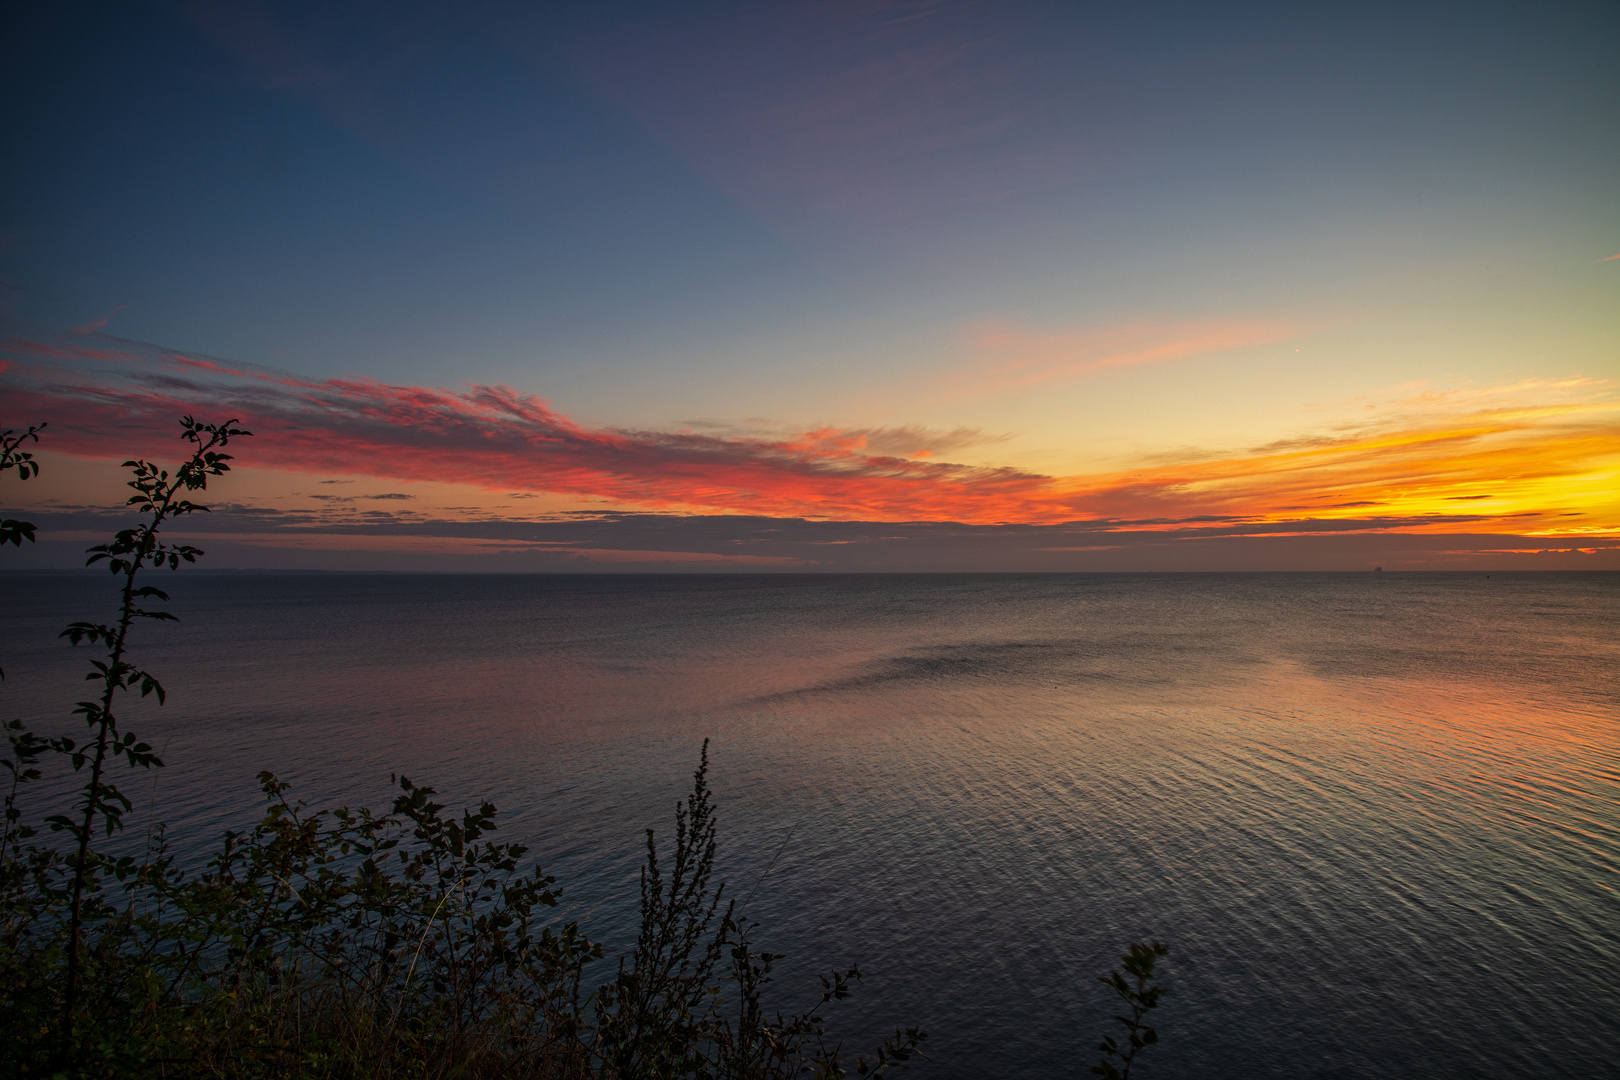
x: 19, y: 865
x: 157, y: 495
x: 24, y: 748
x: 408, y: 944
x: 665, y: 1014
x: 12, y: 456
x: 1140, y: 994
x: 650, y: 1017
x: 346, y: 943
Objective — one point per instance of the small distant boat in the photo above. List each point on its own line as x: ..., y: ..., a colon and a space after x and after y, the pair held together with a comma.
x: 1378, y: 569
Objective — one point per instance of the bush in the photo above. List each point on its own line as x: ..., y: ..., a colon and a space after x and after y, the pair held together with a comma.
x: 346, y: 943
x: 351, y: 944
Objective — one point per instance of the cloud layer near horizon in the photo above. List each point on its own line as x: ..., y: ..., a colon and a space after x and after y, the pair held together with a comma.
x: 1547, y: 467
x: 238, y: 536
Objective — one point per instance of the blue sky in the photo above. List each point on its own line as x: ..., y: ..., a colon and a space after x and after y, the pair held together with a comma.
x: 1100, y: 238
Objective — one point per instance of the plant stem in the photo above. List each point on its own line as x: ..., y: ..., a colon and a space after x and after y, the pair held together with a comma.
x: 188, y: 475
x: 106, y: 721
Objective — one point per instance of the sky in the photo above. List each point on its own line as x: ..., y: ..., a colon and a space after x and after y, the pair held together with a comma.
x: 825, y: 286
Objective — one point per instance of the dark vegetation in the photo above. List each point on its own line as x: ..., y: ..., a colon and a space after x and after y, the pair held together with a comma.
x: 345, y: 943
x: 1140, y: 993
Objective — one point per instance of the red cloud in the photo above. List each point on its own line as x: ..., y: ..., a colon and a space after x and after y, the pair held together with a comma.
x: 1527, y: 469
x: 497, y: 438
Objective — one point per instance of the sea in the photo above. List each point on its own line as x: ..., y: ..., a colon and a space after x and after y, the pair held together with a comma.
x: 1374, y: 816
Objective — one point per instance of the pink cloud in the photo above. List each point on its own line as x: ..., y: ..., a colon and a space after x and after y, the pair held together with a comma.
x: 1010, y: 357
x: 1544, y: 468
x: 491, y: 436
x: 97, y: 323
x: 59, y: 351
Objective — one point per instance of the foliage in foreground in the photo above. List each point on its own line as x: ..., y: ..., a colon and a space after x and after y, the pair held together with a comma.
x: 1140, y: 993
x: 345, y: 943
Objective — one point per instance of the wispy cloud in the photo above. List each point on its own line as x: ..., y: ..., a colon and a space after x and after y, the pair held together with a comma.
x: 1525, y: 473
x: 489, y: 436
x: 1519, y: 464
x: 98, y: 322
x: 1005, y: 356
x: 907, y: 440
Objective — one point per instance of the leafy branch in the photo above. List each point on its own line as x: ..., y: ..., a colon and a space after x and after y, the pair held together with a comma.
x: 157, y: 495
x: 12, y: 456
x: 24, y: 747
x: 1137, y: 989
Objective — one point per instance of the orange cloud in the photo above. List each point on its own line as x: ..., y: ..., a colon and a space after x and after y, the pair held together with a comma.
x: 1529, y: 468
x: 1504, y: 472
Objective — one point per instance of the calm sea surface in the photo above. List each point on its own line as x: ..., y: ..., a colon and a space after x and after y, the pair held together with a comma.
x: 1375, y: 816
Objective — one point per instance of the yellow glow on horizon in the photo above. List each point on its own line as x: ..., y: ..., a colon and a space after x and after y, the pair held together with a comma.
x: 1511, y: 469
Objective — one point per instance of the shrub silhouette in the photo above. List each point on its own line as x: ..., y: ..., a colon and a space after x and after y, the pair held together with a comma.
x: 347, y: 943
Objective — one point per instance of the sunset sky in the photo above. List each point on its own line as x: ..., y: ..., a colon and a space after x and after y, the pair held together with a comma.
x: 823, y: 286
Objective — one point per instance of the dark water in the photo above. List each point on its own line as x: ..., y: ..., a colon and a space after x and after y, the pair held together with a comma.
x: 1374, y: 816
